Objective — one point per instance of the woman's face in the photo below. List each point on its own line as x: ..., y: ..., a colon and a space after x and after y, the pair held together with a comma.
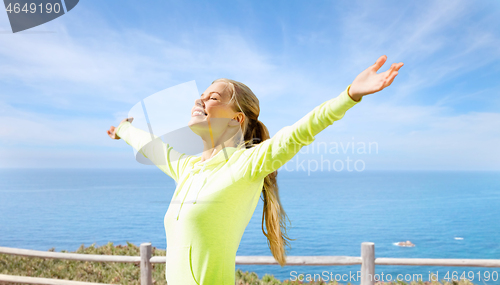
x: 214, y: 103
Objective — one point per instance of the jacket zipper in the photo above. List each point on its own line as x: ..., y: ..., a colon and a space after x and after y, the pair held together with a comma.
x: 189, y: 188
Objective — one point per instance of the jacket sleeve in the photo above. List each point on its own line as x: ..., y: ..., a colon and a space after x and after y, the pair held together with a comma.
x: 273, y: 153
x: 152, y: 147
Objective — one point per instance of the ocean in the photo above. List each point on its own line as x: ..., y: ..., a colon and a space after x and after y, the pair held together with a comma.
x: 446, y: 214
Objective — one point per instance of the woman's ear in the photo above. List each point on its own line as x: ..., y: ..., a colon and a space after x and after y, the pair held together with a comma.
x: 238, y: 119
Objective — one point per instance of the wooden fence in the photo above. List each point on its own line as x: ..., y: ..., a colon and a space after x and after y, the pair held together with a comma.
x: 367, y: 262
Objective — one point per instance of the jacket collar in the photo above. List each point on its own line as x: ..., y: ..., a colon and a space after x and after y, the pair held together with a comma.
x: 222, y: 155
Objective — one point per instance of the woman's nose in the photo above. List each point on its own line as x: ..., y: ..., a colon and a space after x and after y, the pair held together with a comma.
x: 198, y: 102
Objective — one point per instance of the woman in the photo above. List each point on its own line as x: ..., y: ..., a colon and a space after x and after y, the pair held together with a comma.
x: 217, y: 192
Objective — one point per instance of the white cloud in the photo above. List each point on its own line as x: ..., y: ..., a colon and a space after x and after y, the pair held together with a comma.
x: 432, y: 38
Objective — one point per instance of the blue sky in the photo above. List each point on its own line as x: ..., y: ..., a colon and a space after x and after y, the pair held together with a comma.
x: 64, y: 83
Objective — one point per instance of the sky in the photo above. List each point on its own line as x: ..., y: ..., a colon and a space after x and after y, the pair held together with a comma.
x: 64, y: 83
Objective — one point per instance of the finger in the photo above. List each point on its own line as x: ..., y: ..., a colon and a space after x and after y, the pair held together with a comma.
x: 378, y: 64
x: 397, y: 66
x: 388, y: 73
x: 384, y: 76
x: 391, y: 79
x: 393, y: 72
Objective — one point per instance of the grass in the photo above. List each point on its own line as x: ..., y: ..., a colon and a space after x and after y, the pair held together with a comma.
x: 129, y: 273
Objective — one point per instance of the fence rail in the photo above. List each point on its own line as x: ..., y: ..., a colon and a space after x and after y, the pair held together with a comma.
x: 367, y: 262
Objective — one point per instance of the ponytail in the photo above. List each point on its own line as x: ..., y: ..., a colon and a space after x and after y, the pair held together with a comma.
x: 273, y: 213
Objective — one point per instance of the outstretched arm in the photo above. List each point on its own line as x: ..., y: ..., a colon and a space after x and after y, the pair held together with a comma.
x: 273, y: 153
x: 162, y: 155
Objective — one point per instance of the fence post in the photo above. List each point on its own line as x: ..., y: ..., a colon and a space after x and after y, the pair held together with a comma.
x: 367, y: 263
x: 146, y: 272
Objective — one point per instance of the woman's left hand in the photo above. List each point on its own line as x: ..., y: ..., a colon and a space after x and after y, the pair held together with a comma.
x: 368, y: 81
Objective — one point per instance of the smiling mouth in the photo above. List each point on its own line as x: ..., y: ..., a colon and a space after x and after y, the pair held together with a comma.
x: 198, y: 113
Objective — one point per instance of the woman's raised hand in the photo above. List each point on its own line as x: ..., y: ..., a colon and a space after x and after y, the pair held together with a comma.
x: 368, y: 81
x: 111, y: 132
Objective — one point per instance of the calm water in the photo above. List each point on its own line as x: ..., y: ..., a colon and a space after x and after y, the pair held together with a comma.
x: 445, y: 214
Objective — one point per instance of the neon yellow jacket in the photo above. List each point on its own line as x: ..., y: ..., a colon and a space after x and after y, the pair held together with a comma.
x: 215, y: 199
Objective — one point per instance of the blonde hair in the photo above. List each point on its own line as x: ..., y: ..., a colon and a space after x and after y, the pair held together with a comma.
x: 255, y: 131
